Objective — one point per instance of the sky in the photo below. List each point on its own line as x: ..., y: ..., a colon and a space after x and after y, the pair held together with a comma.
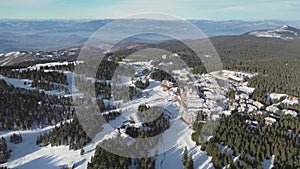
x: 248, y: 10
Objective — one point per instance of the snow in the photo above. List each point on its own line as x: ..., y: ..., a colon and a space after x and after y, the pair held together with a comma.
x: 50, y: 64
x: 290, y: 112
x: 17, y: 82
x: 275, y: 96
x: 13, y: 54
x: 246, y: 89
x: 290, y: 102
x: 124, y: 80
x: 181, y: 137
x: 270, y: 120
x: 165, y: 64
x: 173, y: 140
x: 275, y: 33
x: 237, y: 79
x: 27, y: 154
x: 182, y: 72
x: 9, y: 57
x: 269, y: 163
x: 234, y: 73
x: 48, y: 157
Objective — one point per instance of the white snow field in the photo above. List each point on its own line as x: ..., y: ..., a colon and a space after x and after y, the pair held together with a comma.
x: 28, y: 155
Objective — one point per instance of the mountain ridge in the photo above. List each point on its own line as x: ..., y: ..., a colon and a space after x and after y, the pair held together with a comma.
x: 35, y: 35
x: 284, y: 32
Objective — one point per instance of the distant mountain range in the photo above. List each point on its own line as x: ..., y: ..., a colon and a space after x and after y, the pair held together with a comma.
x: 285, y: 32
x: 36, y: 35
x: 282, y: 42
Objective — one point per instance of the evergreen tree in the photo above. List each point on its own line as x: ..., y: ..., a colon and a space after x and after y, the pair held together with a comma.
x: 185, y: 156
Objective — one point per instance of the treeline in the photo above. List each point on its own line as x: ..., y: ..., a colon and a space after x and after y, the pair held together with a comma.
x: 198, y: 126
x: 48, y: 86
x: 77, y: 133
x: 106, y: 70
x: 187, y: 160
x: 69, y: 67
x: 20, y: 108
x: 153, y: 122
x: 111, y: 115
x: 36, y: 75
x: 126, y: 93
x: 103, y: 159
x: 102, y: 106
x: 140, y: 84
x: 103, y: 89
x: 160, y: 75
x: 4, y: 152
x: 69, y: 133
x: 16, y: 138
x: 252, y: 145
x: 97, y: 88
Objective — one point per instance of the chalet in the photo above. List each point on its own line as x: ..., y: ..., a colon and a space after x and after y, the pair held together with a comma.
x: 290, y: 112
x: 233, y: 106
x: 167, y: 84
x: 259, y: 113
x: 290, y: 97
x: 258, y: 104
x: 251, y: 108
x: 269, y: 120
x: 254, y: 123
x: 244, y: 96
x: 226, y: 113
x: 189, y: 117
x: 192, y: 100
x: 235, y: 79
x: 215, y: 117
x: 272, y: 109
x: 175, y: 90
x: 242, y: 108
x: 231, y: 100
x: 182, y: 79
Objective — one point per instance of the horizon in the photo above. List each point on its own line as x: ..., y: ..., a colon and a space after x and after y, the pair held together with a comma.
x: 188, y: 19
x: 186, y: 9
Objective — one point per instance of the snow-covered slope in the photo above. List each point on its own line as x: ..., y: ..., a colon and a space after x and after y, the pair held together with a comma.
x: 14, y: 57
x: 285, y: 32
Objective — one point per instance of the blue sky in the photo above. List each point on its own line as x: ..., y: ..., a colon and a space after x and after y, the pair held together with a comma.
x: 187, y: 9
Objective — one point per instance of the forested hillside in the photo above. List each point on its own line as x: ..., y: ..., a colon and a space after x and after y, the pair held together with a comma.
x: 71, y: 134
x: 274, y: 76
x: 21, y: 108
x: 234, y: 138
